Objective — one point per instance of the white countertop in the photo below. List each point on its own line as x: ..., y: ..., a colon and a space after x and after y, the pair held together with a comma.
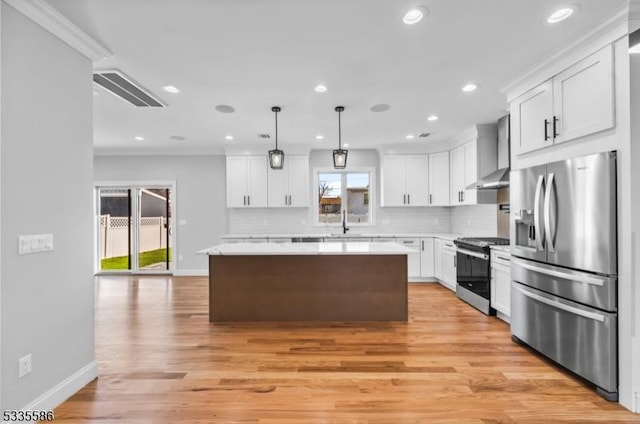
x: 344, y: 248
x: 350, y: 235
x: 502, y: 248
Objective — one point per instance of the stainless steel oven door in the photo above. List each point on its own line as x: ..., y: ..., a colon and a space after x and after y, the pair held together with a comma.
x: 472, y: 271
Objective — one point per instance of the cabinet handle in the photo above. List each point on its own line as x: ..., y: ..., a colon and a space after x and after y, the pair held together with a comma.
x: 404, y: 199
x: 286, y: 200
x: 248, y: 200
x: 503, y: 258
x: 555, y: 126
x: 546, y: 129
x: 244, y: 200
x: 289, y: 200
x: 430, y: 199
x: 423, y: 245
x: 455, y: 261
x: 408, y: 199
x: 463, y: 196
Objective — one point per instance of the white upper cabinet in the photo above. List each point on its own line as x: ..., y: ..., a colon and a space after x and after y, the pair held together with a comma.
x: 439, y: 179
x: 246, y: 181
x: 469, y: 162
x: 576, y: 102
x: 405, y: 180
x: 289, y: 187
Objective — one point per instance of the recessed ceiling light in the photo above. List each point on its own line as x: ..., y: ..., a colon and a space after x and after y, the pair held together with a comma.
x: 433, y: 118
x: 345, y: 144
x: 319, y: 137
x: 138, y: 138
x: 560, y: 15
x: 469, y: 87
x: 382, y: 107
x: 225, y: 109
x: 171, y: 89
x: 320, y: 88
x: 228, y: 137
x: 414, y: 15
x: 410, y: 137
x: 178, y: 138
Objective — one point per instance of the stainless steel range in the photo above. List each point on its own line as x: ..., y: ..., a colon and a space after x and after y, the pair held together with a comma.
x: 473, y: 271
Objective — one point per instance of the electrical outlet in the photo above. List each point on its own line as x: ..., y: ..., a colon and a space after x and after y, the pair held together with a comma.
x: 24, y: 366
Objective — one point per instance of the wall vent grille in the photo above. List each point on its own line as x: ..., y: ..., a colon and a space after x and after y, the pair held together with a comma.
x: 126, y: 88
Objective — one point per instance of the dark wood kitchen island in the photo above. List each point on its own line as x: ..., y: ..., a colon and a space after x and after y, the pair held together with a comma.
x: 348, y: 281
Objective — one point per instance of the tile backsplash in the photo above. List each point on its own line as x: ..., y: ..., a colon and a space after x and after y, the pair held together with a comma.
x: 477, y: 220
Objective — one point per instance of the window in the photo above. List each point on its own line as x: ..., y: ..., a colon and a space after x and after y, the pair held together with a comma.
x: 340, y: 192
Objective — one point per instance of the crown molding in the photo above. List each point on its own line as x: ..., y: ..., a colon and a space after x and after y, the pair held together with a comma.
x: 611, y: 29
x: 53, y: 21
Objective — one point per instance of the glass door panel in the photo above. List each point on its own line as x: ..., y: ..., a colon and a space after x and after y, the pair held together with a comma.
x: 154, y: 229
x: 115, y: 229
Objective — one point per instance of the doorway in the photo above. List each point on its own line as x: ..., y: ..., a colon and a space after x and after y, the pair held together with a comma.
x: 135, y: 229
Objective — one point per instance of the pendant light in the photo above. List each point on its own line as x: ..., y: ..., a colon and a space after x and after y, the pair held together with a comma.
x: 340, y: 155
x: 276, y: 157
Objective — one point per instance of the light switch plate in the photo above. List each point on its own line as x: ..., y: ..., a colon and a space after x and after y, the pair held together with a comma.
x: 35, y: 243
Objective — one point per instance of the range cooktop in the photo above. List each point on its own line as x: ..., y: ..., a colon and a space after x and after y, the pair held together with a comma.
x: 481, y: 242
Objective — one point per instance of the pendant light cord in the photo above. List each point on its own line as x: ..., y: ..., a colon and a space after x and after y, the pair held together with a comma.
x: 276, y: 129
x: 339, y: 131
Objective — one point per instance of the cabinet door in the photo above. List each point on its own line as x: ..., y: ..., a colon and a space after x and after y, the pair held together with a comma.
x: 437, y: 258
x: 257, y: 181
x: 449, y: 268
x: 426, y: 257
x: 278, y: 183
x: 417, y: 180
x: 439, y: 188
x: 583, y: 99
x: 298, y: 170
x: 393, y: 181
x: 501, y: 289
x: 236, y: 181
x: 457, y: 175
x: 469, y: 197
x: 413, y: 259
x: 531, y: 116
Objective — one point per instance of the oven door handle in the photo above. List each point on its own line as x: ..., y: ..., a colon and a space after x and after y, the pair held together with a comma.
x: 474, y: 254
x: 567, y: 308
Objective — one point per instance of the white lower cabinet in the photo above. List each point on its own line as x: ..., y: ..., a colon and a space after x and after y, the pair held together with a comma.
x: 426, y: 258
x: 501, y: 282
x: 449, y: 264
x: 437, y: 258
x: 413, y: 259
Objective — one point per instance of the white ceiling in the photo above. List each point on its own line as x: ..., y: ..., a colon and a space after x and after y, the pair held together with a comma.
x: 253, y: 54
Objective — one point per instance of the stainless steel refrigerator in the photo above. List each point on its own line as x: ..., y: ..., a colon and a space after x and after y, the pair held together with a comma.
x: 564, y: 266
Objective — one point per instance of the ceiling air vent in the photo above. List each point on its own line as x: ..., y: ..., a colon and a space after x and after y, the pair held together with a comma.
x: 424, y: 135
x: 264, y: 136
x: 124, y: 87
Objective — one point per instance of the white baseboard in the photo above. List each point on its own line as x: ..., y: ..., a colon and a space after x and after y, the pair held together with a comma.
x: 63, y: 390
x: 191, y: 272
x: 422, y: 280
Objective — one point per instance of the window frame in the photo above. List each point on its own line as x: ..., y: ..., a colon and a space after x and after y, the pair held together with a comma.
x: 357, y: 170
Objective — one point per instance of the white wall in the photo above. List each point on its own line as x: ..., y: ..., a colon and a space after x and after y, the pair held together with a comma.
x: 635, y: 217
x: 199, y: 198
x: 46, y: 172
x: 475, y: 220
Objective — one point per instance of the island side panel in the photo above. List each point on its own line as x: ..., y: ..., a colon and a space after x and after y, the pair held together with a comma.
x: 308, y: 288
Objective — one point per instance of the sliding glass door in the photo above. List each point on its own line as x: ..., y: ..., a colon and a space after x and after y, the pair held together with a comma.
x: 134, y: 229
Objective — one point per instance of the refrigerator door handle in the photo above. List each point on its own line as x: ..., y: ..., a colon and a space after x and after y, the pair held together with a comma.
x: 547, y: 213
x: 567, y: 308
x: 536, y: 214
x: 564, y: 275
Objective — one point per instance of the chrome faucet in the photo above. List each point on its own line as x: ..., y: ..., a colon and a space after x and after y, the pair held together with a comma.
x: 344, y: 222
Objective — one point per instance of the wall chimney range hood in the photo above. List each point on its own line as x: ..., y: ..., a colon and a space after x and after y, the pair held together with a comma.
x: 500, y: 177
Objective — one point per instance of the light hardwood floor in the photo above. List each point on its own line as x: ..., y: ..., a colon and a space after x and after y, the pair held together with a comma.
x: 161, y: 361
